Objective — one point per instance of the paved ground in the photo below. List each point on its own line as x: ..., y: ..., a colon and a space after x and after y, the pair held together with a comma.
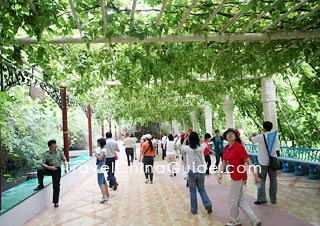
x: 166, y: 202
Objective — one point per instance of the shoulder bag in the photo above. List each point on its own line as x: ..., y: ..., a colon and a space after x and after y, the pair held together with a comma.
x: 143, y: 159
x: 274, y: 163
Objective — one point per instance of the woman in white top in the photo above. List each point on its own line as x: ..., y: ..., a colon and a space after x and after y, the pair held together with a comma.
x: 155, y: 142
x: 196, y: 167
x: 101, y: 159
x: 171, y: 154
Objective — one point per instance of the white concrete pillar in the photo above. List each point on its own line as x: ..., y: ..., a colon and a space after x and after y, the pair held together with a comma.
x: 113, y: 129
x: 228, y: 110
x: 194, y: 121
x: 208, y: 117
x: 119, y: 133
x: 175, y: 127
x: 269, y: 98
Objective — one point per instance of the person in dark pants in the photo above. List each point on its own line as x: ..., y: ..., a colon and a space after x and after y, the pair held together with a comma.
x: 51, y: 166
x: 163, y: 145
x: 207, y: 152
x: 134, y: 146
x: 267, y: 139
x: 128, y: 142
x: 147, y: 152
x: 218, y: 147
x: 111, y: 149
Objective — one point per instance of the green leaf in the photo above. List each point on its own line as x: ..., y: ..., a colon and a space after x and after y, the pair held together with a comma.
x: 245, y: 8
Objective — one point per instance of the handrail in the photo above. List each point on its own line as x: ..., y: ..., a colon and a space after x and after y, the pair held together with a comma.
x: 303, y: 154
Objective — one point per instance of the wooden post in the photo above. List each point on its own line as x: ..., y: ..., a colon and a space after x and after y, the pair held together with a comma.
x: 1, y: 79
x: 65, y: 123
x: 90, y: 130
x: 110, y: 124
x: 102, y: 127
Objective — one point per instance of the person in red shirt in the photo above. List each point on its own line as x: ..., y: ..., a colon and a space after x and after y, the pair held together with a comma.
x: 234, y: 158
x: 207, y: 151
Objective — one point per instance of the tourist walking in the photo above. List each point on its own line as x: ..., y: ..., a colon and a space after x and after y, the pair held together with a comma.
x: 147, y: 152
x: 155, y: 142
x: 235, y: 155
x: 218, y: 147
x: 171, y: 155
x: 207, y: 152
x: 134, y: 146
x: 196, y: 167
x: 268, y: 138
x: 101, y: 159
x: 111, y: 149
x: 129, y: 143
x: 163, y: 144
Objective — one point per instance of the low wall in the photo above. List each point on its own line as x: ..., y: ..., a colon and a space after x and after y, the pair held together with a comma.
x: 27, y: 209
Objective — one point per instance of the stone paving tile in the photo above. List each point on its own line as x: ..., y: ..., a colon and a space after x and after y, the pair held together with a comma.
x: 164, y: 202
x: 134, y: 203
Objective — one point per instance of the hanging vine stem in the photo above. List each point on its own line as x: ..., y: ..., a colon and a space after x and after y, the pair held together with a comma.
x: 285, y: 118
x: 317, y: 72
x: 299, y: 102
x: 241, y: 121
x: 248, y: 114
x: 281, y: 132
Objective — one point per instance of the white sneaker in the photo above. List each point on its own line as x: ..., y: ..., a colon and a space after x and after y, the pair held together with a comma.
x: 232, y: 223
x: 257, y: 223
x: 103, y: 201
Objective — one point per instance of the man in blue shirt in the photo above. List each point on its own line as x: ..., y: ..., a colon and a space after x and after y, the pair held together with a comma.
x: 218, y: 147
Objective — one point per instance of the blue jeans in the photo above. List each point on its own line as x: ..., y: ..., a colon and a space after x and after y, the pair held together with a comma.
x: 101, y: 179
x: 196, y: 180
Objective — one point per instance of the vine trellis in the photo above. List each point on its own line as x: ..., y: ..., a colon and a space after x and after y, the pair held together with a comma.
x: 11, y: 76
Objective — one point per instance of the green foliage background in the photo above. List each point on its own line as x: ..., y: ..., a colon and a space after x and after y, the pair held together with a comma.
x: 27, y: 125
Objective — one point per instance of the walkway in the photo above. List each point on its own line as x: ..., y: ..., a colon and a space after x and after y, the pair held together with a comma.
x: 166, y: 202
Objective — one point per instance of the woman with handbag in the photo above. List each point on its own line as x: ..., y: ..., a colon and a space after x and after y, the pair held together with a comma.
x: 148, y: 152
